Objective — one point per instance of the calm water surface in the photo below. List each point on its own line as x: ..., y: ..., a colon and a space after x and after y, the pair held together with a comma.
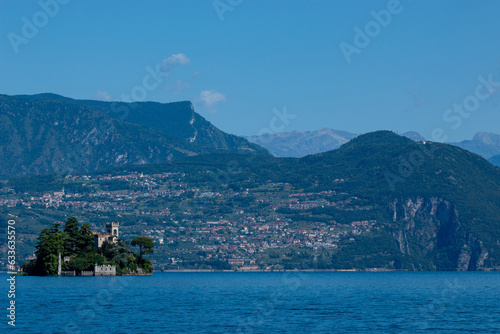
x: 290, y: 302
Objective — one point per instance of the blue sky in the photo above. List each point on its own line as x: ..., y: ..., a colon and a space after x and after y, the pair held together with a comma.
x: 425, y: 67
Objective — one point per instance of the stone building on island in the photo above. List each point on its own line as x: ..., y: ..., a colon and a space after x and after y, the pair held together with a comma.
x: 111, y: 234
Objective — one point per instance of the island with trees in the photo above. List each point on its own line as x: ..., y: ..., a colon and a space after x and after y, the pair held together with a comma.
x: 74, y: 250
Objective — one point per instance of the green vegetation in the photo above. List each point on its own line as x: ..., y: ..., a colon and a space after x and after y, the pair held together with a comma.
x: 145, y: 247
x: 55, y: 134
x: 76, y: 244
x: 380, y: 200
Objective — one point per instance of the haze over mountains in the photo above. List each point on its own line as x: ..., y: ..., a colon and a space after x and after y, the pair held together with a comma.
x: 302, y: 143
x: 48, y: 133
x: 298, y: 144
x: 485, y: 144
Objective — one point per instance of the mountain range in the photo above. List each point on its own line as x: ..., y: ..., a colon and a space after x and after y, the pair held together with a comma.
x: 298, y: 144
x: 302, y: 143
x: 432, y: 206
x: 436, y: 206
x: 48, y: 133
x: 485, y: 144
x: 439, y: 204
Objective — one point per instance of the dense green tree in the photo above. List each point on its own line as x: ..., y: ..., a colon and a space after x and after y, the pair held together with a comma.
x: 125, y: 260
x: 145, y: 245
x: 78, y: 243
x: 72, y: 233
x: 79, y: 264
x: 147, y: 266
x: 85, y: 239
x: 50, y: 244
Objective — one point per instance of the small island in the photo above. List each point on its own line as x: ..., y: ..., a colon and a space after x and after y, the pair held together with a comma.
x: 74, y: 250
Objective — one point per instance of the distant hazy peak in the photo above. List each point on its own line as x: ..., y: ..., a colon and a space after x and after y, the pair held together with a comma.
x: 413, y: 135
x: 301, y: 143
x: 487, y: 138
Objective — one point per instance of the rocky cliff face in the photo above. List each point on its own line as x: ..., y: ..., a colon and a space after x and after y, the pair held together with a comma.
x: 46, y: 133
x: 39, y: 137
x: 177, y: 120
x: 430, y: 228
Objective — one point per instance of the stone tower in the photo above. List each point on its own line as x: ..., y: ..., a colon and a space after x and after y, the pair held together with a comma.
x: 112, y: 228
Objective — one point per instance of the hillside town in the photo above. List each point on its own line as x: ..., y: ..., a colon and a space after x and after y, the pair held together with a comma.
x: 199, y: 228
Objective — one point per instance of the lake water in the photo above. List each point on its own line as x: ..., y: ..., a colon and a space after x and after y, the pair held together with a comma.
x: 291, y: 302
